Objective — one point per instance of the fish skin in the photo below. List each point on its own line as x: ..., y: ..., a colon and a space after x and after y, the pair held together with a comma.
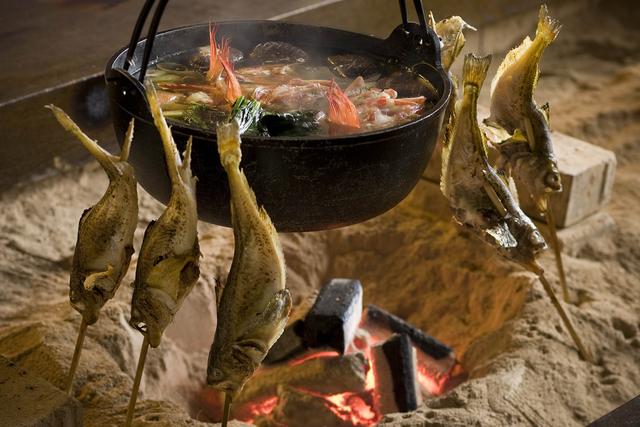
x: 479, y: 197
x: 514, y: 109
x: 451, y: 33
x: 255, y: 304
x: 168, y: 265
x: 104, y: 243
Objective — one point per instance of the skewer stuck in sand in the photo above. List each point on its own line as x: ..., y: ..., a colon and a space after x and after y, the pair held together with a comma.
x: 168, y: 265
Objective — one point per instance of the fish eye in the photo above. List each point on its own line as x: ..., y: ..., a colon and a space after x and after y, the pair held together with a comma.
x: 216, y: 374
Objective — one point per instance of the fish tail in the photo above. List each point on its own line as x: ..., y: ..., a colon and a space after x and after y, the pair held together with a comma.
x: 548, y: 27
x: 172, y: 156
x: 228, y: 136
x: 106, y: 159
x: 475, y: 69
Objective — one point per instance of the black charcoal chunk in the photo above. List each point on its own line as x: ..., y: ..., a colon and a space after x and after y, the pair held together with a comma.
x: 335, y: 316
x: 429, y: 345
x: 395, y: 365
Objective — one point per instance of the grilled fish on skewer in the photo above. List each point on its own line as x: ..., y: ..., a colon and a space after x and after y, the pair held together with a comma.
x: 168, y: 265
x: 480, y: 198
x: 105, y: 235
x: 255, y: 304
x: 528, y: 154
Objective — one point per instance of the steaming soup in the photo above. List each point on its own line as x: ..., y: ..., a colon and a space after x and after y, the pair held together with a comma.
x: 301, y: 94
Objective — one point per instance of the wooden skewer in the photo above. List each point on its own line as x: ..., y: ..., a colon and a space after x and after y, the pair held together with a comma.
x: 565, y: 319
x: 556, y: 248
x: 76, y: 356
x: 136, y: 381
x: 227, y: 409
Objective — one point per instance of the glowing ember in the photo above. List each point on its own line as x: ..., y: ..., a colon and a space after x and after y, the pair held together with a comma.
x: 353, y: 408
x: 434, y: 386
x: 310, y: 356
x: 263, y: 407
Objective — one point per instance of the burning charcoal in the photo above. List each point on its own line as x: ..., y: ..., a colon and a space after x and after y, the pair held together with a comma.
x: 295, y: 407
x: 429, y: 345
x: 326, y: 375
x: 335, y: 316
x: 395, y: 369
x: 290, y: 343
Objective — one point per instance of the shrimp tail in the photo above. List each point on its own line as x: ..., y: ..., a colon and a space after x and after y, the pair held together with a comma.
x: 341, y: 109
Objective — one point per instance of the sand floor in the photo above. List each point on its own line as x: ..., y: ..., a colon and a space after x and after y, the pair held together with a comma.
x: 412, y: 261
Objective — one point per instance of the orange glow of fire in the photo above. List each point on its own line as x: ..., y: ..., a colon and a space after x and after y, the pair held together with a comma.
x: 263, y: 407
x: 353, y: 408
x: 433, y: 385
x: 315, y: 355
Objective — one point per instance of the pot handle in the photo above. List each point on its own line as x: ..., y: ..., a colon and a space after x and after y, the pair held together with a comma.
x: 151, y: 35
x: 412, y: 43
x: 419, y: 11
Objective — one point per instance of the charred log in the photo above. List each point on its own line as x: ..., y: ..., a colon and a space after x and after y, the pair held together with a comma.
x: 429, y: 345
x: 395, y: 367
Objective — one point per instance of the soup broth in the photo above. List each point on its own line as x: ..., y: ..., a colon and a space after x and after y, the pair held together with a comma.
x: 301, y: 93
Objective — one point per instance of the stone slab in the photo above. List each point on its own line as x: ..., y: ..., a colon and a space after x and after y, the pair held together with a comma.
x: 27, y: 400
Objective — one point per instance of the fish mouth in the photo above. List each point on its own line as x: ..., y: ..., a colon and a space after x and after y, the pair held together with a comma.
x: 553, y: 182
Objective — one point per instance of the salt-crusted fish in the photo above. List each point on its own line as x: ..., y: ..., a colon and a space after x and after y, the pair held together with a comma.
x: 168, y: 265
x: 480, y: 199
x: 528, y: 153
x: 105, y: 234
x: 255, y: 304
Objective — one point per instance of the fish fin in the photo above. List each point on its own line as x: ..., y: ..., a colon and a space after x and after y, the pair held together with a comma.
x: 546, y: 113
x: 511, y: 57
x: 475, y: 69
x: 185, y: 170
x: 431, y: 21
x: 219, y: 289
x: 494, y: 133
x: 510, y: 184
x: 272, y: 319
x: 446, y: 154
x: 90, y: 281
x: 548, y: 27
x: 128, y: 139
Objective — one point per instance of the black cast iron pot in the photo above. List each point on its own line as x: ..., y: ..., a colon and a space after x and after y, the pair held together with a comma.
x: 305, y: 184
